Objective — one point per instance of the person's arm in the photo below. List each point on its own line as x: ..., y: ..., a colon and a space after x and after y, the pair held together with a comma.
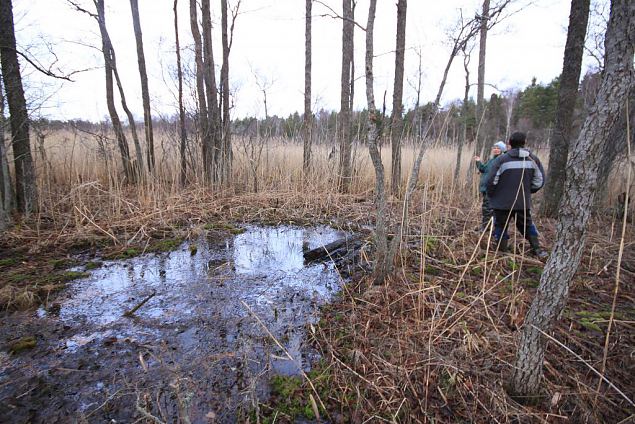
x: 493, y: 175
x: 479, y: 165
x: 539, y: 175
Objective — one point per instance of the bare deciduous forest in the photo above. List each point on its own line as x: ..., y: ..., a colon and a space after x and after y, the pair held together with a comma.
x: 196, y: 264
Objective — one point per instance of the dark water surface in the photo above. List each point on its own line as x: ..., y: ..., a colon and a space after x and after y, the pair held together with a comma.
x: 195, y: 348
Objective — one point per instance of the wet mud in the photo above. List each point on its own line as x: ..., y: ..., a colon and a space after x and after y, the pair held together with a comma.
x: 194, y: 349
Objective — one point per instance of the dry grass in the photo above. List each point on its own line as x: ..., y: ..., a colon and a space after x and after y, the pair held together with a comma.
x: 434, y: 344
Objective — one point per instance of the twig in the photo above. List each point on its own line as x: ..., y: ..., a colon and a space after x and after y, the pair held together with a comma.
x: 140, y: 304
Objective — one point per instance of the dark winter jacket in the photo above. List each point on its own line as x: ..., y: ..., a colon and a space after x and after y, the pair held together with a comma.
x: 483, y: 168
x: 511, y: 179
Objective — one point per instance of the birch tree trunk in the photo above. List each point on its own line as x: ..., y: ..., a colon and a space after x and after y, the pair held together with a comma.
x: 110, y: 98
x: 6, y: 192
x: 145, y: 92
x: 567, y: 96
x: 203, y: 116
x: 308, y: 116
x: 345, y: 171
x: 480, y: 89
x: 397, y: 98
x: 25, y: 184
x: 179, y: 71
x: 579, y: 191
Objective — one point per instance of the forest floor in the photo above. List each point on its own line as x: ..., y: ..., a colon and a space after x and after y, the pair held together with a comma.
x: 436, y: 343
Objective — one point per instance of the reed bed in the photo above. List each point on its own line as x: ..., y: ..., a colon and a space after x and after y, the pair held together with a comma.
x: 434, y: 344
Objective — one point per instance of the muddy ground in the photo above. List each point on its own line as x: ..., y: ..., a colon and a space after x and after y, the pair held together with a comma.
x: 195, y: 348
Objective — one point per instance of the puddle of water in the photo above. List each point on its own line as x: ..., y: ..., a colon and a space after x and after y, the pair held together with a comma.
x: 196, y: 321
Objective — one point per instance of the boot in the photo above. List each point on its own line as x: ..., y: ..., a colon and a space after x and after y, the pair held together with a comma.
x: 502, y: 245
x: 535, y: 247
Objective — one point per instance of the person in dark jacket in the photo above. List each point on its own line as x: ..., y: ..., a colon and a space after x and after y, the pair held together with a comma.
x: 510, y: 181
x: 487, y: 213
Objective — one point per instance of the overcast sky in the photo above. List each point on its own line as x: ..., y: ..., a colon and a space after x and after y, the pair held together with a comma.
x: 269, y: 48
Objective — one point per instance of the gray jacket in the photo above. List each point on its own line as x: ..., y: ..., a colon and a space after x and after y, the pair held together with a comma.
x: 512, y: 178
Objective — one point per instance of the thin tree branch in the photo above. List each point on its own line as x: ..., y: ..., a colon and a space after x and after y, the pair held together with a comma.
x: 336, y: 15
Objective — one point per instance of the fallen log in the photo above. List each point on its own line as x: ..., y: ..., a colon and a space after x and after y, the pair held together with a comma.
x: 331, y: 251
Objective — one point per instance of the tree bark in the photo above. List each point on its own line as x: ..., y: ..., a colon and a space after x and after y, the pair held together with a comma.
x: 179, y: 71
x: 308, y: 116
x: 615, y: 149
x: 466, y: 93
x: 6, y: 191
x: 567, y: 96
x: 226, y: 150
x: 203, y: 116
x: 110, y: 98
x: 345, y: 171
x: 480, y: 89
x: 212, y: 152
x: 397, y: 98
x: 145, y: 92
x: 131, y: 122
x: 25, y: 184
x: 579, y: 191
x: 381, y: 269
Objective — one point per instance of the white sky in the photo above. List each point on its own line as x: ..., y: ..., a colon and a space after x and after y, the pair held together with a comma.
x: 269, y: 42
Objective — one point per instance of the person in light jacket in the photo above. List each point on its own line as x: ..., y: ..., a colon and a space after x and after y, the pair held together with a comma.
x: 487, y: 213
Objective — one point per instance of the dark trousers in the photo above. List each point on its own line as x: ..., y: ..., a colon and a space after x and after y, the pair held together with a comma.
x: 524, y: 224
x: 486, y: 211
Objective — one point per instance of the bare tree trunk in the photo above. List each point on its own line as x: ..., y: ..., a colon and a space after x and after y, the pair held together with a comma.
x: 6, y: 191
x: 25, y: 184
x: 345, y: 171
x: 131, y: 122
x: 567, y: 96
x: 463, y: 139
x: 203, y: 116
x: 226, y: 149
x: 212, y: 155
x: 374, y: 121
x: 145, y: 92
x: 179, y: 70
x: 308, y: 116
x: 480, y: 89
x: 614, y: 148
x: 110, y: 98
x: 397, y: 97
x: 579, y: 191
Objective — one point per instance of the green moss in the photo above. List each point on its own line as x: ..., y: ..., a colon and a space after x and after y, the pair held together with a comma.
x: 8, y: 262
x: 589, y: 325
x: 535, y: 270
x: 477, y: 271
x: 18, y: 277
x: 166, y: 245
x: 285, y: 386
x: 25, y: 343
x: 513, y: 264
x: 431, y: 243
x: 193, y: 249
x: 62, y: 263
x: 431, y: 270
x: 74, y: 275
x: 93, y: 265
x: 128, y: 253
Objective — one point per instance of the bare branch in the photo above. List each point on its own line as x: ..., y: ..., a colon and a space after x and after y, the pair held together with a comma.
x: 336, y: 15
